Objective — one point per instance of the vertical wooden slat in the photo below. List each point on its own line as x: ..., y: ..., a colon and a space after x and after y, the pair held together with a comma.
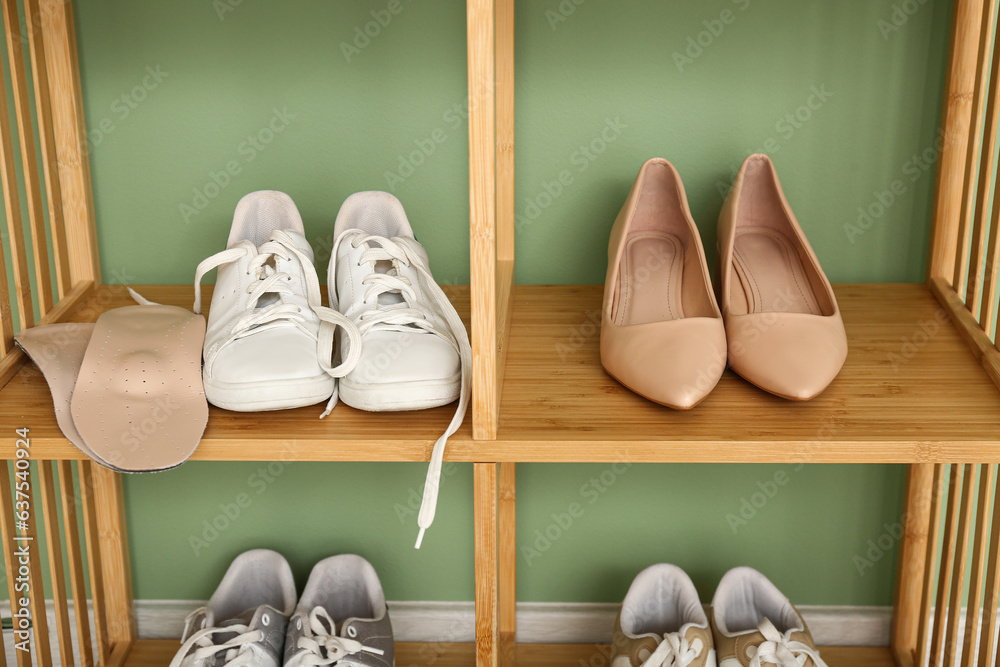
x: 991, y: 268
x: 483, y: 209
x: 57, y: 575
x: 39, y: 616
x: 930, y: 560
x: 29, y: 160
x: 6, y: 318
x: 912, y: 559
x: 47, y: 142
x: 485, y: 512
x: 7, y: 534
x: 74, y: 561
x: 956, y: 120
x: 980, y: 538
x: 944, y: 569
x: 110, y: 506
x: 59, y: 34
x: 987, y: 641
x: 506, y: 204
x: 12, y: 209
x: 94, y: 563
x: 972, y: 156
x: 961, y: 547
x: 507, y: 563
x: 981, y: 214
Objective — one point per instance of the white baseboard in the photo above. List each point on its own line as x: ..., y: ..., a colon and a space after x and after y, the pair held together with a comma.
x: 537, y: 622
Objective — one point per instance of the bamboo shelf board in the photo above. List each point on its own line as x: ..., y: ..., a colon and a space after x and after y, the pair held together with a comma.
x: 284, y: 435
x: 910, y: 392
x: 157, y: 653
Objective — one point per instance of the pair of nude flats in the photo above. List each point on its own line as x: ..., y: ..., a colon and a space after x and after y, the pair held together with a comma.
x: 663, y: 334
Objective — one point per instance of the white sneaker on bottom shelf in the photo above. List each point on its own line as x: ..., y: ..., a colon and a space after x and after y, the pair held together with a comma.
x: 415, y: 351
x: 269, y: 340
x: 244, y: 622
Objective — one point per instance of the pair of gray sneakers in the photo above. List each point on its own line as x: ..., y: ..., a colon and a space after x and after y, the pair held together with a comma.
x: 253, y: 619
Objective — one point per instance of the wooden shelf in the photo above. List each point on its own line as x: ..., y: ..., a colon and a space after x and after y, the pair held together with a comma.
x: 909, y: 393
x: 283, y: 435
x: 156, y: 653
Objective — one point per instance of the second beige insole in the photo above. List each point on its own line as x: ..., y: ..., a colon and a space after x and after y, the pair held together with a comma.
x: 650, y: 279
x: 771, y: 275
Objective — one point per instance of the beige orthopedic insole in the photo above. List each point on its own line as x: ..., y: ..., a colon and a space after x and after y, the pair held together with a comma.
x: 139, y: 402
x: 57, y: 350
x: 649, y: 281
x: 771, y: 275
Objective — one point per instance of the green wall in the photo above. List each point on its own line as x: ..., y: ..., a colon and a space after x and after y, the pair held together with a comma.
x: 601, y: 86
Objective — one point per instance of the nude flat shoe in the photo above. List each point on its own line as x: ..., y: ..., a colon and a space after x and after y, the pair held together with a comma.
x: 662, y: 334
x: 783, y: 324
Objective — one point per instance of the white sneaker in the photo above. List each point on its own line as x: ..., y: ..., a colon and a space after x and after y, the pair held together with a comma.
x: 341, y: 618
x: 415, y: 352
x: 269, y: 340
x: 245, y: 621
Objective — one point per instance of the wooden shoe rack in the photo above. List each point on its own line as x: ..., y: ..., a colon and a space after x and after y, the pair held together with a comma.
x: 920, y: 385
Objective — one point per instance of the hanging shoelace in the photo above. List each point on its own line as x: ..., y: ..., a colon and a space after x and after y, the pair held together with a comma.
x: 779, y: 649
x: 237, y: 651
x: 269, y: 281
x: 322, y: 646
x: 405, y: 316
x: 674, y: 651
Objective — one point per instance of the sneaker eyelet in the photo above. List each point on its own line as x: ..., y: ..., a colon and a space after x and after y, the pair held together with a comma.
x: 751, y: 651
x: 352, y: 632
x: 298, y: 624
x: 265, y: 619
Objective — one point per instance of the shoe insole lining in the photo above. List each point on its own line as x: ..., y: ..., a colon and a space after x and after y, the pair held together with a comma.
x: 650, y: 278
x: 771, y: 275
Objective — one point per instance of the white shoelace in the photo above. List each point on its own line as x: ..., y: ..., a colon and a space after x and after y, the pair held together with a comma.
x: 674, y: 651
x: 239, y: 650
x: 404, y: 317
x: 269, y: 280
x: 324, y: 647
x: 781, y: 650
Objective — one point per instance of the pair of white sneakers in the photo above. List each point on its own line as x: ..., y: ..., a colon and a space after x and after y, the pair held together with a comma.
x: 750, y: 623
x: 271, y: 343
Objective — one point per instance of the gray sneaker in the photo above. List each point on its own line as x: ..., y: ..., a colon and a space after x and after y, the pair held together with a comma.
x: 341, y: 618
x: 245, y: 621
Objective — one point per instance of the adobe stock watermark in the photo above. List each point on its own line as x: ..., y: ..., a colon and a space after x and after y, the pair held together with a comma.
x: 562, y: 12
x: 453, y: 119
x: 223, y: 7
x: 901, y: 14
x: 785, y: 129
x: 362, y: 35
x: 247, y: 151
x: 715, y: 27
x: 766, y: 491
x: 124, y: 105
x: 910, y: 346
x: 595, y: 488
x: 579, y: 161
x: 230, y: 512
x: 912, y: 171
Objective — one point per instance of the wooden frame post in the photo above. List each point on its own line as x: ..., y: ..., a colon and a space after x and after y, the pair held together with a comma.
x: 916, y: 522
x: 491, y: 201
x: 487, y: 592
x: 113, y: 544
x: 59, y: 38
